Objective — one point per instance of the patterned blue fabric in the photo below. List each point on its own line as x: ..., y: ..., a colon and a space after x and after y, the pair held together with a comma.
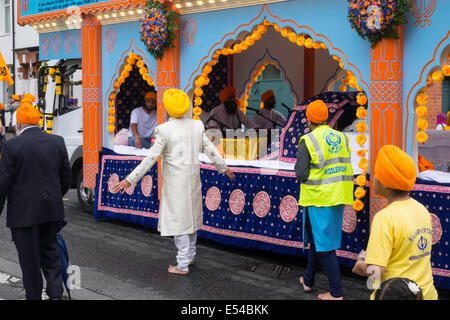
x: 297, y: 124
x: 250, y: 221
x: 137, y: 207
x: 436, y: 198
x: 270, y: 232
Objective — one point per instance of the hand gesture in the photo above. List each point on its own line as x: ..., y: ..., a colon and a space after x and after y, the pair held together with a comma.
x: 230, y: 174
x: 121, y: 186
x: 138, y: 143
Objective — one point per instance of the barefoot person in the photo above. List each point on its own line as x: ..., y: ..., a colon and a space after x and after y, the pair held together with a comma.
x: 325, y: 172
x: 179, y: 141
x: 401, y: 234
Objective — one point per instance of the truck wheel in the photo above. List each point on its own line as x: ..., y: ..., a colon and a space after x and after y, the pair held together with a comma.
x: 85, y: 195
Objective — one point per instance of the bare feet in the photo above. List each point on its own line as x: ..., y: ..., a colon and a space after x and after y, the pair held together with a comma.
x: 328, y: 296
x: 305, y: 287
x: 175, y: 270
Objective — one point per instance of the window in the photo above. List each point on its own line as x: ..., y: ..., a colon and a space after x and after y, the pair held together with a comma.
x: 7, y: 16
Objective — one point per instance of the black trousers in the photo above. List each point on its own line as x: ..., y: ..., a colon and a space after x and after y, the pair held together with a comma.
x: 38, y: 250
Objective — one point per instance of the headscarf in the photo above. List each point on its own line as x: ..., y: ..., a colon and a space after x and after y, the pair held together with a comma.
x: 317, y: 112
x: 225, y: 94
x: 395, y: 169
x: 441, y: 119
x: 28, y: 114
x: 150, y: 95
x: 176, y: 102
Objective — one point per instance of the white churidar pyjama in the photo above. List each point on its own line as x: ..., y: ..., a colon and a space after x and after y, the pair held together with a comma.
x: 186, y: 249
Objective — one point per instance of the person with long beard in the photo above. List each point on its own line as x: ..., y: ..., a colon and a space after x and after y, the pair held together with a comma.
x: 227, y: 114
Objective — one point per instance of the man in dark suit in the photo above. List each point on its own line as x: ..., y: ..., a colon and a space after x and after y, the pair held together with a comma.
x: 34, y: 176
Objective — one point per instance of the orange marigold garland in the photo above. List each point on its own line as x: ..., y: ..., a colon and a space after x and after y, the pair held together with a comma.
x: 422, y: 112
x: 361, y: 113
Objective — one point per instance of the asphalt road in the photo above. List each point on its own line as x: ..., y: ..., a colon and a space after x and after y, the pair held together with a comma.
x: 123, y: 261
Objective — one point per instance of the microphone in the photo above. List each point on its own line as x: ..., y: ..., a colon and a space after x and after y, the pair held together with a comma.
x: 289, y: 109
x: 219, y: 122
x: 259, y: 112
x: 253, y: 109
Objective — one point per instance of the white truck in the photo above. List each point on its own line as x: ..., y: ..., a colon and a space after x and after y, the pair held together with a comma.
x: 60, y: 101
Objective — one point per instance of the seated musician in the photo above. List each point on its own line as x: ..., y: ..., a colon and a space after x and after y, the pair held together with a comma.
x: 227, y: 115
x: 143, y: 123
x: 268, y: 118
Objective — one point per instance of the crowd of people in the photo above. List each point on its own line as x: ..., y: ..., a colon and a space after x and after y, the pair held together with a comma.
x: 35, y: 174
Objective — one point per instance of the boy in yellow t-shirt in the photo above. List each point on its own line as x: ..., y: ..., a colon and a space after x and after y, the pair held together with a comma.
x: 400, y: 236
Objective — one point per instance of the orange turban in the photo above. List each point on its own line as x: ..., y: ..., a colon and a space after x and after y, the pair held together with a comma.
x: 395, y: 169
x: 176, y: 102
x: 150, y: 95
x: 27, y: 114
x: 15, y: 97
x: 267, y: 95
x: 29, y: 96
x: 225, y: 94
x: 424, y: 164
x: 317, y: 112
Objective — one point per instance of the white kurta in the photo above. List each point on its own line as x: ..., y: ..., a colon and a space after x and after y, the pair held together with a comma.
x: 179, y: 142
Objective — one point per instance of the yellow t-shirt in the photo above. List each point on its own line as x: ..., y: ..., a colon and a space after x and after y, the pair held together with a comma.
x: 400, y: 241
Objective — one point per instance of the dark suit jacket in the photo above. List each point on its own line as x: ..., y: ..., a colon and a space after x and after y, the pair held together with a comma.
x: 35, y: 174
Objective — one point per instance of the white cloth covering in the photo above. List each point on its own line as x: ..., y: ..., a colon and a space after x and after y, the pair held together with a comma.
x: 186, y: 250
x: 179, y: 142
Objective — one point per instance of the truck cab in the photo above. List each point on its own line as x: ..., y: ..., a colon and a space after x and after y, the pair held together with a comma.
x: 60, y: 102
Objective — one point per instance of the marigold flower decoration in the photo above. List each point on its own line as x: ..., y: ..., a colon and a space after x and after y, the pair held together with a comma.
x: 203, y: 79
x: 361, y: 113
x: 422, y: 100
x: 158, y: 28
x: 422, y: 112
x: 377, y: 19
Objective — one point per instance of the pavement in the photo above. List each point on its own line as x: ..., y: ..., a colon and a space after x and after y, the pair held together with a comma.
x: 124, y: 261
x: 115, y: 260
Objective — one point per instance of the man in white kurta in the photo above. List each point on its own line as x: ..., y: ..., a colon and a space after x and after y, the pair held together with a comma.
x: 179, y: 142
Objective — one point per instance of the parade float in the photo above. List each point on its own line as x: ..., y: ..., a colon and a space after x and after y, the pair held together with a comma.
x: 374, y: 63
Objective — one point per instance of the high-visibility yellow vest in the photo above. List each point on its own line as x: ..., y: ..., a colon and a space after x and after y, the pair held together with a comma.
x: 330, y: 180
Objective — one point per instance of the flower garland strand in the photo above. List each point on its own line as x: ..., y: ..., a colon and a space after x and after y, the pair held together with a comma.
x: 158, y: 28
x: 204, y: 80
x: 361, y: 113
x: 377, y: 19
x: 133, y: 59
x: 422, y: 100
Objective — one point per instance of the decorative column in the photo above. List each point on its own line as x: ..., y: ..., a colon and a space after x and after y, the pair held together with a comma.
x: 386, y: 105
x: 167, y: 77
x: 91, y: 30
